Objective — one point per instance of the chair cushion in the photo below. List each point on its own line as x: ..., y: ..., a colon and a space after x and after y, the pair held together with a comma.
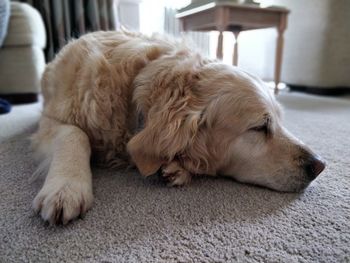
x: 21, y: 68
x: 25, y: 26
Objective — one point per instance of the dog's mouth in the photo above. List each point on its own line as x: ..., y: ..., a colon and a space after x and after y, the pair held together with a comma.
x: 298, y: 183
x: 288, y: 181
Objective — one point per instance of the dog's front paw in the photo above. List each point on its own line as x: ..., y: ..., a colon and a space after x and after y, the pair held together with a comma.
x: 60, y: 201
x: 175, y: 174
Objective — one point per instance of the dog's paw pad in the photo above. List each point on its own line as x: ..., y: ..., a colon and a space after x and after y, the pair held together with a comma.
x: 60, y: 203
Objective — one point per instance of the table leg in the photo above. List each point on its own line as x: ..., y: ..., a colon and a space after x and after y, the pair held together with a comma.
x: 278, y: 63
x: 235, y: 48
x: 219, y: 50
x: 279, y: 51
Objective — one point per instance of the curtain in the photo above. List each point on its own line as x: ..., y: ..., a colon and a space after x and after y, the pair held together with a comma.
x: 67, y: 19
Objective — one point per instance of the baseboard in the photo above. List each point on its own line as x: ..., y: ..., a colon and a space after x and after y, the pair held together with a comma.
x: 20, y: 98
x: 334, y: 91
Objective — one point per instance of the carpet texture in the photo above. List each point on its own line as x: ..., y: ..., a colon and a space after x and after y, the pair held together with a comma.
x: 135, y: 219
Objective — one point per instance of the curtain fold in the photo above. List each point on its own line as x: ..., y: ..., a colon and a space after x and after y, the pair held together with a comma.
x: 67, y: 19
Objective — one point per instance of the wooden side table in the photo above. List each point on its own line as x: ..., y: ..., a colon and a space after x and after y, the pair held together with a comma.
x: 236, y: 18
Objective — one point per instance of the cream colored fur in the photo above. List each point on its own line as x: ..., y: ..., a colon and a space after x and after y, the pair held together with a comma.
x: 200, y: 117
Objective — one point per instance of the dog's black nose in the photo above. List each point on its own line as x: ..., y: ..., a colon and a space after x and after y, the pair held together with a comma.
x: 314, y: 166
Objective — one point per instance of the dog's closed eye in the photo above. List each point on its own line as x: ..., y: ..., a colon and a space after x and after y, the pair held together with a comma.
x: 260, y: 128
x: 263, y: 128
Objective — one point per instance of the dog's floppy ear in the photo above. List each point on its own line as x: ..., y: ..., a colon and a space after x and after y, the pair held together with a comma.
x: 165, y: 135
x: 172, y: 114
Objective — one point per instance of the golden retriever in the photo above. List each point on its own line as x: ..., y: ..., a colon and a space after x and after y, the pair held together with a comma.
x: 124, y: 98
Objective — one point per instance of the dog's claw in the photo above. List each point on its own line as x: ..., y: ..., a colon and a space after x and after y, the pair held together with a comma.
x: 59, y: 204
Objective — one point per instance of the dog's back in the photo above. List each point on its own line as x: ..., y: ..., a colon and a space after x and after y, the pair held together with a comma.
x: 89, y: 85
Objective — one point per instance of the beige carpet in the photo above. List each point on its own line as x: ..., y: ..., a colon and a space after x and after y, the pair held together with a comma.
x: 213, y: 220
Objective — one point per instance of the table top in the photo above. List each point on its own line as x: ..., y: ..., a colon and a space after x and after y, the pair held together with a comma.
x: 212, y: 5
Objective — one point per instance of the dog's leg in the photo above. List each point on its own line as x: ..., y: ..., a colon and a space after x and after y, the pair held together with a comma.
x: 175, y: 174
x: 67, y: 190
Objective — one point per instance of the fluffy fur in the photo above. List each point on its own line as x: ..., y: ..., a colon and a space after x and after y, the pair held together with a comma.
x: 199, y: 117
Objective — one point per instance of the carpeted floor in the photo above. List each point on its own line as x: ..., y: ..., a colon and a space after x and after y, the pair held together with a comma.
x: 213, y: 220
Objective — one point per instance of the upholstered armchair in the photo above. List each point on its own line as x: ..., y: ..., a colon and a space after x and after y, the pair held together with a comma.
x: 22, y: 58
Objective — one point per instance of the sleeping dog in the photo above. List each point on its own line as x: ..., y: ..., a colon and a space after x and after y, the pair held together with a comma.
x: 200, y: 116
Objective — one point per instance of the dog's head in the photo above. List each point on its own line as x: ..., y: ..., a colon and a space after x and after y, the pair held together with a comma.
x: 217, y: 119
